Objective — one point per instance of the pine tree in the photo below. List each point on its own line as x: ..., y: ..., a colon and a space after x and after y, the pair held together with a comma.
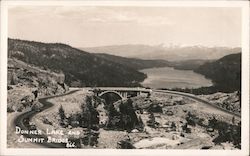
x: 140, y: 124
x: 14, y: 79
x: 62, y: 113
x: 90, y: 119
x: 233, y: 120
x: 213, y: 123
x: 151, y: 122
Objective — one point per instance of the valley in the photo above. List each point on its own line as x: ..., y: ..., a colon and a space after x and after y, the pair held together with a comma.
x: 52, y: 88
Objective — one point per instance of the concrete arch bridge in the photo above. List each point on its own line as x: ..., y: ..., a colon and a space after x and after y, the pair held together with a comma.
x: 122, y: 92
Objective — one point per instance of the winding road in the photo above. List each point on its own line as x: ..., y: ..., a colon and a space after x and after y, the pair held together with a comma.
x: 193, y: 97
x: 20, y: 120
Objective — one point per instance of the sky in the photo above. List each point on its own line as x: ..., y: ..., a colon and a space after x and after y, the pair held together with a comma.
x: 88, y: 26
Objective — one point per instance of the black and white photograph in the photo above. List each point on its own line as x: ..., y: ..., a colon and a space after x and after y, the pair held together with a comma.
x: 125, y: 76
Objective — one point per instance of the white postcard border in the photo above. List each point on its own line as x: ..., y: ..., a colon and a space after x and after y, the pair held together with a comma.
x: 245, y: 79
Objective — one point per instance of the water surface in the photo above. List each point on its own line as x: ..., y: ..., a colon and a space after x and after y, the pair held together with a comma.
x: 168, y: 77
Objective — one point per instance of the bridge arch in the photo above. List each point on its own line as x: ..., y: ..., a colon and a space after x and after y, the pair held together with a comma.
x: 111, y: 91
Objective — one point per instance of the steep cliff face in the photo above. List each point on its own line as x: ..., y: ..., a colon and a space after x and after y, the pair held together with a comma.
x: 26, y: 83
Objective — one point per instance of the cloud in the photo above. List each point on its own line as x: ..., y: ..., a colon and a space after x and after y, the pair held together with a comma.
x: 91, y: 14
x: 128, y: 15
x: 104, y: 25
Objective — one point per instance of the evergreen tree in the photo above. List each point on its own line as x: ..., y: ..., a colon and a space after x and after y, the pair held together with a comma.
x: 233, y: 120
x: 191, y: 119
x: 212, y: 123
x: 140, y: 124
x: 62, y: 113
x: 90, y: 119
x: 90, y: 115
x: 151, y: 122
x: 173, y: 126
x: 129, y: 118
x: 14, y: 79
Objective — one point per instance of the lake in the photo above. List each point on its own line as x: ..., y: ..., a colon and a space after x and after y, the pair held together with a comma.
x: 168, y: 77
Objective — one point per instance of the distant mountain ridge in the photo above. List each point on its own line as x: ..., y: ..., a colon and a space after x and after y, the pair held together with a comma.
x: 82, y: 68
x: 189, y: 64
x: 134, y: 63
x: 174, y: 53
x: 79, y: 67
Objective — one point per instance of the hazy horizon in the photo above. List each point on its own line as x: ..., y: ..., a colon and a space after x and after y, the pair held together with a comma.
x: 85, y: 26
x: 155, y: 45
x: 165, y: 45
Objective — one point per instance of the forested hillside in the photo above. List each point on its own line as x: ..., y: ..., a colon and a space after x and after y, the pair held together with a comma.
x: 135, y: 63
x: 80, y: 68
x: 225, y: 72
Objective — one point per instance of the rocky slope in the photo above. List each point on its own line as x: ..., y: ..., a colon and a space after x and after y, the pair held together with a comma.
x: 26, y: 83
x: 229, y: 101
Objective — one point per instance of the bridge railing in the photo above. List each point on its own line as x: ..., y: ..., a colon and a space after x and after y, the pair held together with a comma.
x: 121, y: 89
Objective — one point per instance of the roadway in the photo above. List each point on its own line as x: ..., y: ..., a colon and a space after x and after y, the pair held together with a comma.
x: 193, y: 97
x: 19, y: 121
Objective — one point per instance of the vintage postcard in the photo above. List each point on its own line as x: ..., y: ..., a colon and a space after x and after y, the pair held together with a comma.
x: 124, y: 78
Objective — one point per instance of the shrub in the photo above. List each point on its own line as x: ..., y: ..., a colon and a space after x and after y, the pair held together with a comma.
x: 125, y: 144
x: 227, y: 132
x: 10, y: 110
x: 46, y: 121
x: 155, y: 108
x: 151, y: 122
x: 192, y: 119
x: 91, y: 138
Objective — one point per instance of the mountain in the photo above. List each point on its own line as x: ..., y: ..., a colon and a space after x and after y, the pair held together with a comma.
x: 127, y: 50
x: 27, y: 82
x: 171, y: 53
x: 188, y: 64
x: 79, y: 67
x: 225, y: 72
x: 137, y: 64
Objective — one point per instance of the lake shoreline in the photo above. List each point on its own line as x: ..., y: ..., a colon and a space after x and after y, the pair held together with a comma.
x: 169, y: 77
